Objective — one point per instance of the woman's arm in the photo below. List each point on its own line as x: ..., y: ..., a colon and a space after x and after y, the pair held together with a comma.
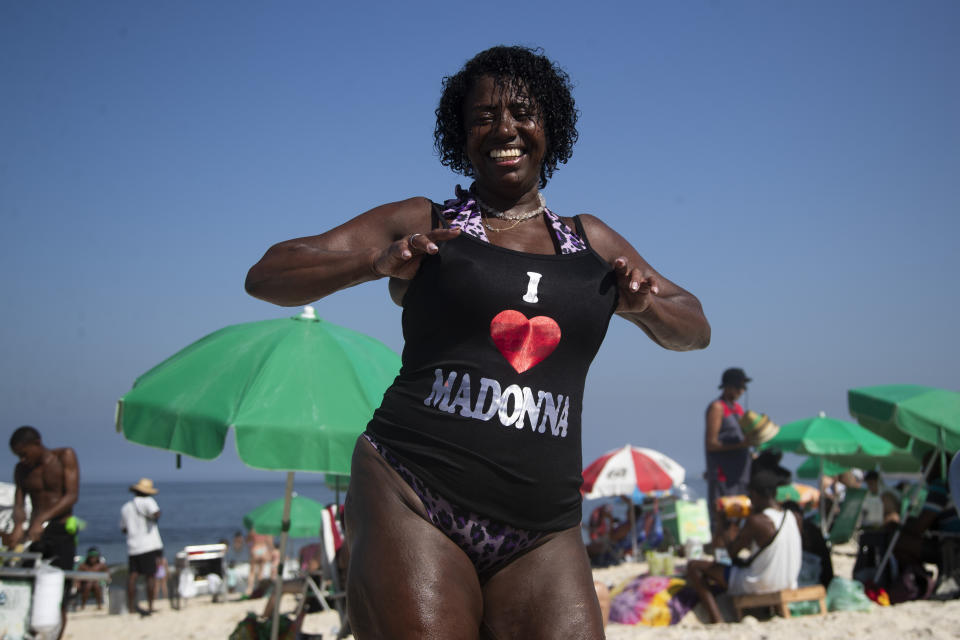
x: 370, y: 246
x: 670, y: 315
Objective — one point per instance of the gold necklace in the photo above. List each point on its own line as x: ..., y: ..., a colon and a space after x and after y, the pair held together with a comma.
x: 516, y: 218
x: 515, y: 223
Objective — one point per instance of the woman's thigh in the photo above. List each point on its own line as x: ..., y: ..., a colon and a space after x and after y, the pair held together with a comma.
x: 405, y: 579
x: 547, y: 593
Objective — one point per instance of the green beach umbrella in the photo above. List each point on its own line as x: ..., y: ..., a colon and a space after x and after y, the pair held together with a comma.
x: 306, y: 516
x: 823, y: 436
x: 811, y: 468
x: 897, y: 461
x: 908, y: 415
x: 914, y: 417
x: 298, y: 392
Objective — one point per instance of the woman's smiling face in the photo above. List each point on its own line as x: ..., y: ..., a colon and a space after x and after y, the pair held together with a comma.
x: 506, y: 142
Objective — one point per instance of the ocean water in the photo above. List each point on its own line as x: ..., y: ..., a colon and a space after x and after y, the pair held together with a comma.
x: 208, y: 512
x: 191, y: 513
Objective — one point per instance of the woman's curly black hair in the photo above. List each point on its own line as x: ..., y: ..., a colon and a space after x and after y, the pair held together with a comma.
x: 520, y: 68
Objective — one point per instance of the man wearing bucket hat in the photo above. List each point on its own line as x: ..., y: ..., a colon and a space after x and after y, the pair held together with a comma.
x: 727, y: 449
x: 138, y: 519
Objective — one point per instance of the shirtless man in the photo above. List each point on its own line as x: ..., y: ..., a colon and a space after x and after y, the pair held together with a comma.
x: 51, y: 477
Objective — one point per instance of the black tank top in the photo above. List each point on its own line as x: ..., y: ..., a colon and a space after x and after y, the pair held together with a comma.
x: 486, y: 407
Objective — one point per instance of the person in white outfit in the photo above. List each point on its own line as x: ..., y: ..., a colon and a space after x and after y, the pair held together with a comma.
x: 771, y: 534
x: 138, y: 519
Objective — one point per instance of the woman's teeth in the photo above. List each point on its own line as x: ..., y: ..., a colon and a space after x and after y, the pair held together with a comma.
x: 505, y: 153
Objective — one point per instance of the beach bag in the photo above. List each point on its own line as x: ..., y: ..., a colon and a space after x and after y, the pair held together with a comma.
x: 847, y: 595
x: 913, y: 583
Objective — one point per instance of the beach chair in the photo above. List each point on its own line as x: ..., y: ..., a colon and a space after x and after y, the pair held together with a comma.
x: 911, y: 504
x: 845, y: 523
x: 326, y: 587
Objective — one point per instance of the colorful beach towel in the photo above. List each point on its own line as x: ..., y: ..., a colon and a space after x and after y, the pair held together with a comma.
x: 655, y: 601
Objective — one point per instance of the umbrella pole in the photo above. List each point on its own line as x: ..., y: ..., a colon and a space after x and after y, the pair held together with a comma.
x: 633, y: 529
x: 284, y: 532
x: 821, y: 504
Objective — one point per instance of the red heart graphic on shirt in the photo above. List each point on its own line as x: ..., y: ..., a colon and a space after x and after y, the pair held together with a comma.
x: 524, y: 343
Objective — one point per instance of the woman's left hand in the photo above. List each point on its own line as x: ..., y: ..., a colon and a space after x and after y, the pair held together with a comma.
x: 670, y: 315
x: 635, y: 285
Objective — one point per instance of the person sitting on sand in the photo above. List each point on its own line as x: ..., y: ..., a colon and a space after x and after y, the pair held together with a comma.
x: 92, y: 562
x: 601, y: 547
x: 772, y: 534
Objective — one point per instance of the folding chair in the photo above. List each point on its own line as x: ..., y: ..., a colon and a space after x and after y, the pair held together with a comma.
x: 911, y: 504
x: 329, y: 590
x: 845, y: 523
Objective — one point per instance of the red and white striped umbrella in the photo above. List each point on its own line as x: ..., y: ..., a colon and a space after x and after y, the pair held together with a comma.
x: 624, y: 471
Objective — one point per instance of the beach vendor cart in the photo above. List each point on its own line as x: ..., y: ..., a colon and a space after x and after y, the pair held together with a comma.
x: 30, y: 595
x: 198, y: 570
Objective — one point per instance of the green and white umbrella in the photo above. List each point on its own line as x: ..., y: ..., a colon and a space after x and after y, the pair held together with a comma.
x: 296, y: 391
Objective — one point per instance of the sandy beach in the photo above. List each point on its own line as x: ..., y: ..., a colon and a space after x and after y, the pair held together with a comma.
x: 202, y: 619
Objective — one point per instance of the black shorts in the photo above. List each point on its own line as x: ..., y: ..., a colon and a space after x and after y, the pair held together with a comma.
x: 144, y: 563
x: 57, y: 545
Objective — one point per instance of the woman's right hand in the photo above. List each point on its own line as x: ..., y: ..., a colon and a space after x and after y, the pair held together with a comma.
x: 401, y: 259
x: 373, y: 245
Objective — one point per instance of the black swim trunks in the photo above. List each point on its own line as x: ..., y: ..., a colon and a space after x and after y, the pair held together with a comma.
x: 57, y: 545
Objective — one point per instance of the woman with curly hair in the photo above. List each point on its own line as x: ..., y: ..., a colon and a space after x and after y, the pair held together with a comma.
x: 463, y: 514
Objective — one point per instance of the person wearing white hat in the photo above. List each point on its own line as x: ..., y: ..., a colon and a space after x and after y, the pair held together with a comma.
x: 138, y: 519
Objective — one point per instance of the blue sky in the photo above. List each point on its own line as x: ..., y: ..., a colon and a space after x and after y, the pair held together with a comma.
x: 793, y: 164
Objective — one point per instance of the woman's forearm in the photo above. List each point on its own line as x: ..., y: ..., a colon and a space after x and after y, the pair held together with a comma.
x: 674, y: 322
x: 294, y: 273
